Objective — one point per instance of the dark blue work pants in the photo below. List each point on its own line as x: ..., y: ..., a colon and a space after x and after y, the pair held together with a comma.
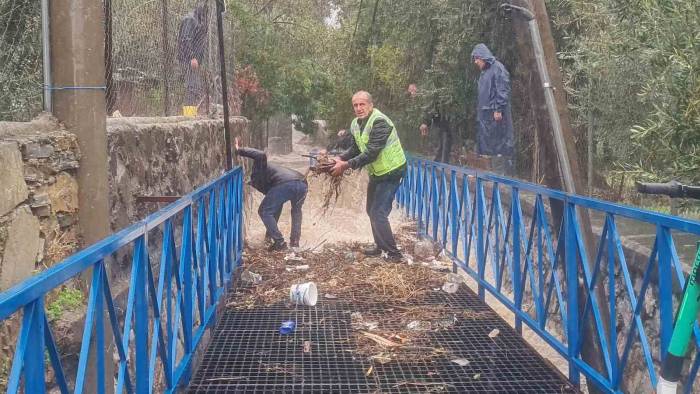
x: 380, y: 199
x: 271, y: 208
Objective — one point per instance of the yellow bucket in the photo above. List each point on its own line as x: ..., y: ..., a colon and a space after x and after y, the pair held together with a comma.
x: 189, y: 111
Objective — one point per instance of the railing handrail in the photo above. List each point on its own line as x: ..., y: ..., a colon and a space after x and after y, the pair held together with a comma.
x: 463, y: 209
x: 167, y: 311
x: 12, y: 299
x: 630, y: 212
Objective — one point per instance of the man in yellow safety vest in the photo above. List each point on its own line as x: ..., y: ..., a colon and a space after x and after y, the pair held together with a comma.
x: 378, y: 148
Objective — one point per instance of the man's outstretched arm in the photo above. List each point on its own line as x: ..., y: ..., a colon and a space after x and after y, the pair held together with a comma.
x: 251, y: 153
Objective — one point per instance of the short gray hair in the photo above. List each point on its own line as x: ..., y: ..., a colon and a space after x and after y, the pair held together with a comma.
x: 365, y: 94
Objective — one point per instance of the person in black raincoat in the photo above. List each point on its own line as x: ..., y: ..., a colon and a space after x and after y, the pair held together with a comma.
x: 191, y: 47
x: 436, y: 120
x: 494, y: 135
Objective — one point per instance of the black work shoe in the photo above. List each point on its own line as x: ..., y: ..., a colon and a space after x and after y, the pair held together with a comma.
x: 394, y: 258
x: 372, y: 251
x: 277, y: 246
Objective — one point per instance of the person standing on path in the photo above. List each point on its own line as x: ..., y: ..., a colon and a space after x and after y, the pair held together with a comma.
x: 377, y: 147
x: 279, y: 184
x: 493, y: 111
x: 191, y: 47
x: 434, y: 119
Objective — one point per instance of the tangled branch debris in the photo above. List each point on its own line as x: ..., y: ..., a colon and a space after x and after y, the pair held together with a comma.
x: 387, y: 324
x: 332, y: 186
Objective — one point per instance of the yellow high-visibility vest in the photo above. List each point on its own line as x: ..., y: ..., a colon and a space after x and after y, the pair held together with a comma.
x: 391, y: 156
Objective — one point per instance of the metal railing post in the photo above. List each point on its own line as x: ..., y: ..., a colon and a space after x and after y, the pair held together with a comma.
x: 517, y: 280
x: 480, y: 255
x: 571, y: 259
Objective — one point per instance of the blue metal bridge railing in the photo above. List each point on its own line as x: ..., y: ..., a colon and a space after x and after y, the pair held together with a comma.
x: 170, y: 305
x: 501, y: 233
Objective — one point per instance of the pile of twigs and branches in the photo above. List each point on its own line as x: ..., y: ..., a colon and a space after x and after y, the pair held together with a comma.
x: 386, y: 322
x: 332, y: 185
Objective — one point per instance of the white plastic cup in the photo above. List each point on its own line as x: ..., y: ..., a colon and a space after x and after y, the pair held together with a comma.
x: 666, y: 387
x: 304, y: 294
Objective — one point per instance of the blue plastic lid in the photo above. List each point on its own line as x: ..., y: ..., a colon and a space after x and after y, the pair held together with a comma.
x: 287, y: 327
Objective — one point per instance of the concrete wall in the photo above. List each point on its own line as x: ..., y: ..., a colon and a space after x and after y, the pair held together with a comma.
x: 39, y: 193
x: 161, y: 157
x: 38, y: 197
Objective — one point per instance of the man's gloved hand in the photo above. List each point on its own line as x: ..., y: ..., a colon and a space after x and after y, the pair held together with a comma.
x: 339, y: 167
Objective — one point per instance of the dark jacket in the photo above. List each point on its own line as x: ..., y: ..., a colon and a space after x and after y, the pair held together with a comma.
x: 264, y: 175
x: 191, y: 37
x: 378, y: 137
x: 493, y: 138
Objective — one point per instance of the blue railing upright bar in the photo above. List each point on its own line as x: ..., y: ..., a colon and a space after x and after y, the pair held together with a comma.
x: 515, y: 251
x: 177, y: 305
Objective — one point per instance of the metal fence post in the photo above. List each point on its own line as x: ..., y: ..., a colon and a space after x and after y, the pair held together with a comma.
x: 109, y: 73
x: 224, y: 85
x: 46, y: 43
x: 165, y: 14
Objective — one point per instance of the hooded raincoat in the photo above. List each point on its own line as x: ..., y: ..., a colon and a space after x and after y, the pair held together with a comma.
x: 493, y: 137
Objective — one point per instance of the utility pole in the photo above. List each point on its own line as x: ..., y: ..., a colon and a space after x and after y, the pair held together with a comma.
x: 78, y: 95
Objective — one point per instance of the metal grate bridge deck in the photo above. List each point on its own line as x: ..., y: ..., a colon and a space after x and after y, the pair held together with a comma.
x: 248, y: 355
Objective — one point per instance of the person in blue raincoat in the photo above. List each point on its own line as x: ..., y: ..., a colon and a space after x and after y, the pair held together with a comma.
x: 493, y: 112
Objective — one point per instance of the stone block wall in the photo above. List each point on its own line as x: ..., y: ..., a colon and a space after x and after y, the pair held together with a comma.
x: 162, y: 157
x: 38, y: 197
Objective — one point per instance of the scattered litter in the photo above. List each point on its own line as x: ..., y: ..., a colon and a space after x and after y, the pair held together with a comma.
x: 423, y: 249
x: 448, y: 322
x: 251, y: 277
x: 450, y: 288
x: 369, y: 370
x: 358, y: 322
x: 381, y: 358
x: 440, y: 266
x: 380, y: 340
x: 477, y: 376
x: 293, y: 257
x: 291, y: 268
x: 414, y: 325
x: 350, y: 256
x: 494, y: 333
x: 454, y: 278
x: 304, y: 294
x: 307, y: 346
x: 287, y: 327
x: 359, y: 281
x: 409, y: 259
x: 452, y: 284
x: 462, y: 362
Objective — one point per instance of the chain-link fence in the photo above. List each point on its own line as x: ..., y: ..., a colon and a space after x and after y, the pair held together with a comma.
x: 21, y: 72
x: 162, y: 57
